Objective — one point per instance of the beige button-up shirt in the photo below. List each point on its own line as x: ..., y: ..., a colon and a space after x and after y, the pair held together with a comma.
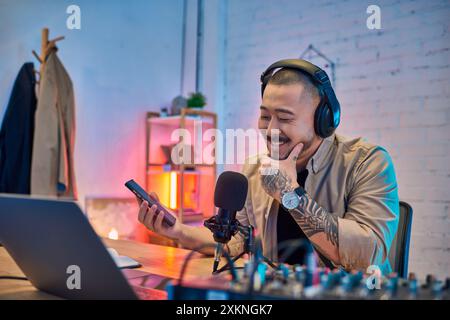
x: 349, y: 178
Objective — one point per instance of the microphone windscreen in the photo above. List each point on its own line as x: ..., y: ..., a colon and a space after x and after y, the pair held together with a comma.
x: 231, y: 191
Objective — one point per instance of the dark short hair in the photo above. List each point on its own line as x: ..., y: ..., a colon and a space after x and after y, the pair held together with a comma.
x: 286, y: 76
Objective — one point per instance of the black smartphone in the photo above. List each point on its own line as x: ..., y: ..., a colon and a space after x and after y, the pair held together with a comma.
x: 143, y: 195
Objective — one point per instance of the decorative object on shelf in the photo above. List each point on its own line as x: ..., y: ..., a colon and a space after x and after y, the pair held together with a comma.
x: 178, y: 103
x: 196, y: 100
x: 167, y: 150
x: 164, y: 112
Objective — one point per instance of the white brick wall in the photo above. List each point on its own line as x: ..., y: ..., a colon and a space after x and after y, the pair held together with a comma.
x: 393, y: 85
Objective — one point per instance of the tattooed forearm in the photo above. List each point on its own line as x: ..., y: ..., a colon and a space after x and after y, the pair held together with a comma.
x: 276, y: 181
x: 313, y: 219
x: 309, y: 215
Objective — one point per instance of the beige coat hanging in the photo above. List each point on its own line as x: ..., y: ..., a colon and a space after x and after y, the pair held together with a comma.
x: 52, y: 170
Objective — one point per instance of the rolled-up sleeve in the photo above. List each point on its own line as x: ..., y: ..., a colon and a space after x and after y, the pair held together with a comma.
x: 369, y: 225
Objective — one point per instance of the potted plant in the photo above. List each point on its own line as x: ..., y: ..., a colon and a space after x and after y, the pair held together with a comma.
x: 196, y: 100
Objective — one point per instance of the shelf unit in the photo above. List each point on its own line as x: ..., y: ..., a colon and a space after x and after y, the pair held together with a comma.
x: 184, y: 188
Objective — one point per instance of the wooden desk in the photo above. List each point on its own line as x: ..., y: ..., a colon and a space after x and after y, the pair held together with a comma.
x: 160, y: 260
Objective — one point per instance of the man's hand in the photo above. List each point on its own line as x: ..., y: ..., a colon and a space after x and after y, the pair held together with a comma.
x: 280, y: 176
x: 152, y: 218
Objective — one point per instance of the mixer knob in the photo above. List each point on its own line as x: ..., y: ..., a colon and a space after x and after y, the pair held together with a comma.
x: 447, y: 284
x: 299, y: 273
x: 412, y: 276
x: 437, y: 289
x: 413, y: 287
x: 392, y: 286
x: 429, y: 281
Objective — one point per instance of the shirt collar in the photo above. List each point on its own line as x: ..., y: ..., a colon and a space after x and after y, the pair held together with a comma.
x: 320, y: 157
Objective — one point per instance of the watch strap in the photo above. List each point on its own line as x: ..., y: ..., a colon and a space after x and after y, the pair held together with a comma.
x: 300, y: 191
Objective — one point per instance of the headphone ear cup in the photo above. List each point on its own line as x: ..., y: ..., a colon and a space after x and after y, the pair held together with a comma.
x: 323, y: 121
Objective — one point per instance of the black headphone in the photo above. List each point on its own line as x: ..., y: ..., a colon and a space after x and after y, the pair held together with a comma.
x: 328, y: 112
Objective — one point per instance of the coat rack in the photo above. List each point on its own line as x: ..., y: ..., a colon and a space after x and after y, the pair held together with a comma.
x: 46, y: 46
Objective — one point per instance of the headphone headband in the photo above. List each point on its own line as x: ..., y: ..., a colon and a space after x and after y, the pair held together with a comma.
x: 318, y: 76
x: 314, y: 71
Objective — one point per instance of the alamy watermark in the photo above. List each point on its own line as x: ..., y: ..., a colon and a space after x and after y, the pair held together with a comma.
x: 374, y: 280
x: 373, y: 21
x: 214, y: 146
x: 74, y: 19
x: 73, y: 281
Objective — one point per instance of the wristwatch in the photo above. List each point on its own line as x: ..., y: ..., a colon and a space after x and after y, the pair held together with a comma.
x: 291, y: 200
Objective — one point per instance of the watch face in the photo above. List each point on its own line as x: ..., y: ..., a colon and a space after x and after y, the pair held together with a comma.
x: 290, y: 200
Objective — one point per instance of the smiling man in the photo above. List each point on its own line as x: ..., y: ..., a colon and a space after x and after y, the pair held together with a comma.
x: 339, y: 194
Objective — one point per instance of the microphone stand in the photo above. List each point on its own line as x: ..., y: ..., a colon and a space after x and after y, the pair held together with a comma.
x: 231, y: 229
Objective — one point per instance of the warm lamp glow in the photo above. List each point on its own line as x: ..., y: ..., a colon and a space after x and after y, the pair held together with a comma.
x: 166, y: 185
x: 173, y: 190
x: 113, y: 234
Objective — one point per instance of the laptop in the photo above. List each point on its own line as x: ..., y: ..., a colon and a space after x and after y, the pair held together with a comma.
x: 55, y: 246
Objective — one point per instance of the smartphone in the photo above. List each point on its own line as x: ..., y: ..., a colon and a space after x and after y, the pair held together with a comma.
x: 144, y: 196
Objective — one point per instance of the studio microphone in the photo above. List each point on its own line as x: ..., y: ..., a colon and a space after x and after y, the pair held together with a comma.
x: 229, y: 197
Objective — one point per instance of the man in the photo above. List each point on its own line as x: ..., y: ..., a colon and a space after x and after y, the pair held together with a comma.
x: 340, y: 194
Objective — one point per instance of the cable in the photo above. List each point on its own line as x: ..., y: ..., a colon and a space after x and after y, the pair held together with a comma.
x: 13, y: 278
x: 195, y: 250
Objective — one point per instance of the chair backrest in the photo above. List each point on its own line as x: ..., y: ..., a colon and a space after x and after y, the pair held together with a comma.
x: 399, y: 252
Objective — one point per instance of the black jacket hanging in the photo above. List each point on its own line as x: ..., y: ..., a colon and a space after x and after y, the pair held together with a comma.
x: 16, y: 134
